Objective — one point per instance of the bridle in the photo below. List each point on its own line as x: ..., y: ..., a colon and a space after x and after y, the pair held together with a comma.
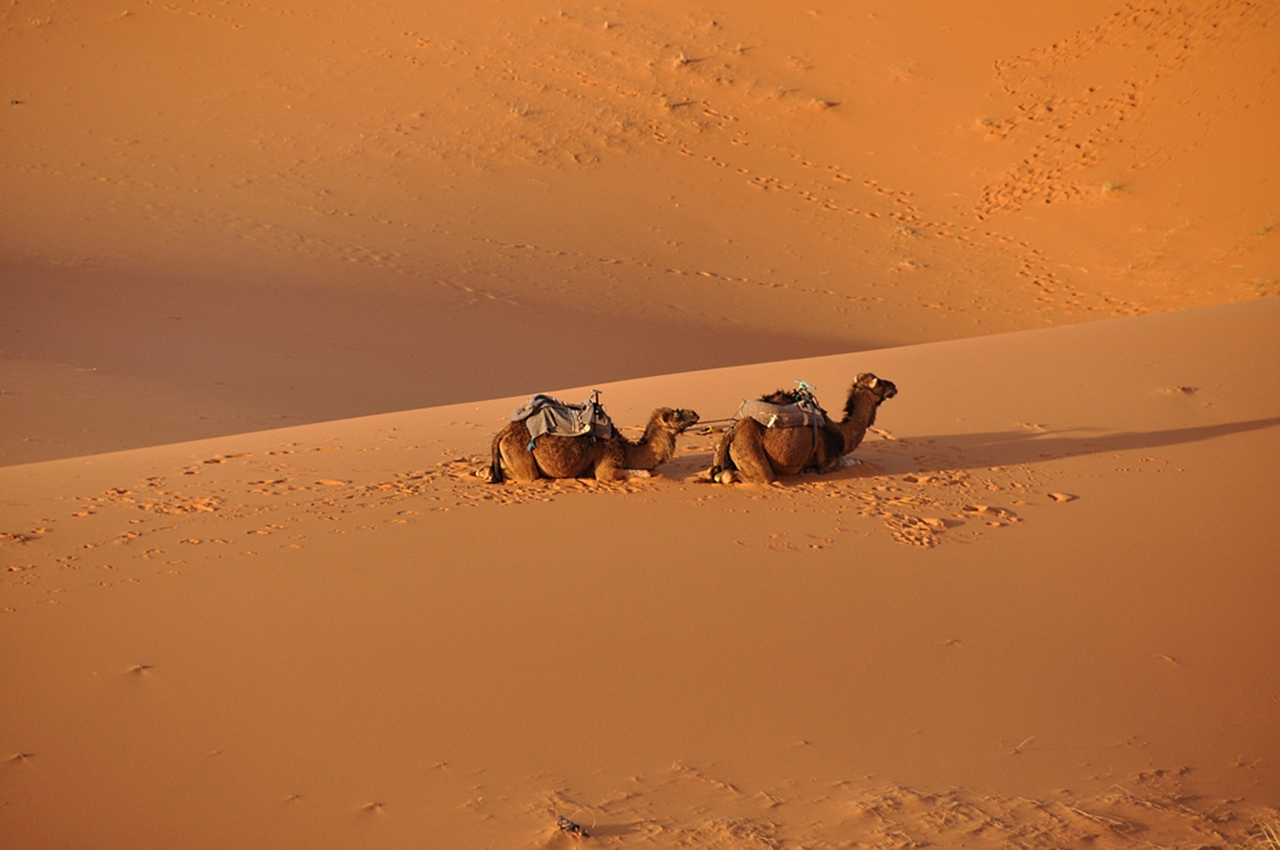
x: 881, y: 389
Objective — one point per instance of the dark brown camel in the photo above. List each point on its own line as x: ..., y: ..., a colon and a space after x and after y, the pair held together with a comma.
x: 750, y: 452
x: 614, y: 458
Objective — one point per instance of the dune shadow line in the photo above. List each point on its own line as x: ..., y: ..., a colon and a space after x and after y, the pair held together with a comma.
x: 1005, y: 448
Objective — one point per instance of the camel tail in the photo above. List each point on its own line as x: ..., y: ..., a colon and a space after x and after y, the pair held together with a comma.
x: 495, y: 463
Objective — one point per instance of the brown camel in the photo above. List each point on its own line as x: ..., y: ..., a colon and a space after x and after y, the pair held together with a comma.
x: 750, y: 452
x: 614, y: 458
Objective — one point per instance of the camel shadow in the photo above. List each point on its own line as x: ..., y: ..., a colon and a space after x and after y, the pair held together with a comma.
x: 616, y: 829
x: 992, y: 448
x: 1010, y: 448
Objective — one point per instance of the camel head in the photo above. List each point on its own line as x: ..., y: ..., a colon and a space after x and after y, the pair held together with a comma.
x: 881, y: 388
x: 675, y: 420
x: 868, y: 386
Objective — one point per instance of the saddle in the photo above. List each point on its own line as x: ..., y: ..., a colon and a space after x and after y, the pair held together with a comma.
x: 797, y: 415
x: 543, y: 414
x: 803, y: 412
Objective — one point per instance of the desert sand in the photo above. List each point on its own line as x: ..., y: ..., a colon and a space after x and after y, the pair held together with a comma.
x: 272, y: 275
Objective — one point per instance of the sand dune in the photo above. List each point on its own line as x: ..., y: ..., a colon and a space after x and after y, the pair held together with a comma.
x: 273, y: 274
x: 225, y: 216
x: 1048, y: 574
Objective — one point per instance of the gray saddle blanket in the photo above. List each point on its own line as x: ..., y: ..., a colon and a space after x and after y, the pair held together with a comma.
x: 799, y: 415
x: 543, y: 414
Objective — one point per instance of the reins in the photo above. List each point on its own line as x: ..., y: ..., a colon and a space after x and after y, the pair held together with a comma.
x: 709, y: 425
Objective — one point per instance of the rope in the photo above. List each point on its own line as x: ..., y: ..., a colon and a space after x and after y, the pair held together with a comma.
x: 709, y: 425
x: 803, y: 387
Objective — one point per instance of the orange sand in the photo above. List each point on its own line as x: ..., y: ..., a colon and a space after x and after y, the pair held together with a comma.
x: 1040, y: 614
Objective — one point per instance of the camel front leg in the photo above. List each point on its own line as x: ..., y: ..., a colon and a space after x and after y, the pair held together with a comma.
x: 609, y: 462
x: 827, y: 457
x: 608, y: 472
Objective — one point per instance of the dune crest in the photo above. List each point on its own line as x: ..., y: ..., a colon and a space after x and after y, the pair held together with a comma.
x: 312, y: 212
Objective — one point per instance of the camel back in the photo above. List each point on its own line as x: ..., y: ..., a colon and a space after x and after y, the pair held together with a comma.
x: 803, y: 414
x: 543, y: 414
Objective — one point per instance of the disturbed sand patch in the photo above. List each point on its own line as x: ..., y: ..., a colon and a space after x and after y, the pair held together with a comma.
x: 938, y: 501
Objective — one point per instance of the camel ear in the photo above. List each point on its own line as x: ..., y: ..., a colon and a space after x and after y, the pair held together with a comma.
x: 873, y: 382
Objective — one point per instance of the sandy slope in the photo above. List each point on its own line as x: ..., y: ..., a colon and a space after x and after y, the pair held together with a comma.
x: 1042, y: 612
x: 226, y: 216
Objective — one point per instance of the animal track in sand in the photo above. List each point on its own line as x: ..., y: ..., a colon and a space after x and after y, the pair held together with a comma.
x: 204, y: 14
x: 597, y: 70
x: 933, y: 497
x: 1073, y: 133
x: 687, y: 807
x: 645, y: 110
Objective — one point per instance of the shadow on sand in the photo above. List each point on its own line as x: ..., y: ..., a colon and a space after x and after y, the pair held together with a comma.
x: 994, y: 448
x: 1009, y: 448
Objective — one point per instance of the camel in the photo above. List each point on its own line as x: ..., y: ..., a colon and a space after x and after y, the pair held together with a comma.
x: 750, y: 452
x: 614, y: 458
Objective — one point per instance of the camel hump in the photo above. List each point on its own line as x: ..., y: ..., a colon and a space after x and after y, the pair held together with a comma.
x: 799, y: 414
x: 543, y: 414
